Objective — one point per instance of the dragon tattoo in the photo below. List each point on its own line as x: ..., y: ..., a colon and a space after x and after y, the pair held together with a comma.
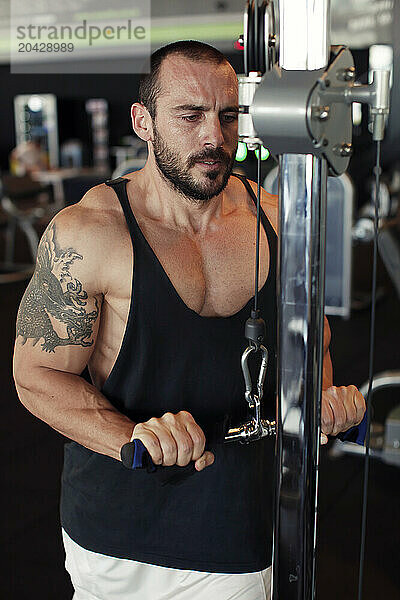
x: 52, y: 296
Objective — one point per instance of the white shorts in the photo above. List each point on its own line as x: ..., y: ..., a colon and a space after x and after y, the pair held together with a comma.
x: 100, y: 577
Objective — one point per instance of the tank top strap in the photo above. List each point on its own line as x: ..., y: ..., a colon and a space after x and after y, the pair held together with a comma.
x: 119, y: 187
x: 269, y: 230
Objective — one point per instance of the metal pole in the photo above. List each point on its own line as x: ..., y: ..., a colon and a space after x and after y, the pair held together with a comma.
x: 304, y: 32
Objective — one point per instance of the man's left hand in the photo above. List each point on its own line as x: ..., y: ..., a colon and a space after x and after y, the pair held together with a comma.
x: 341, y: 408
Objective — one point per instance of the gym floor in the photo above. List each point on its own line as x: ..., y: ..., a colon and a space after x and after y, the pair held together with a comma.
x: 31, y: 459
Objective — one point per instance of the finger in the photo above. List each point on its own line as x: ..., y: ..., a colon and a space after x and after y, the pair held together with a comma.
x: 359, y: 403
x: 150, y: 441
x: 184, y: 444
x: 335, y: 400
x: 346, y: 395
x: 204, y: 461
x: 198, y: 438
x: 166, y: 439
x: 327, y: 417
x: 324, y: 439
x: 194, y: 431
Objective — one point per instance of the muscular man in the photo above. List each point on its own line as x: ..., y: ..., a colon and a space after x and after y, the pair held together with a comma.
x: 148, y: 280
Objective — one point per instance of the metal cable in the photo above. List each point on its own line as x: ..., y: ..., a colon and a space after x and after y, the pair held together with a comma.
x: 371, y: 372
x: 258, y: 229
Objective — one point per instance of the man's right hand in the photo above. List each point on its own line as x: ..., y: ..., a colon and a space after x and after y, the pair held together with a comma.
x: 174, y: 440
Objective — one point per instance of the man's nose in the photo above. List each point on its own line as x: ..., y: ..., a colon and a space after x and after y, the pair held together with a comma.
x: 212, y: 133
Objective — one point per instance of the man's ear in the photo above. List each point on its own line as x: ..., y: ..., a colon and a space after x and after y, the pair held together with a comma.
x: 141, y: 122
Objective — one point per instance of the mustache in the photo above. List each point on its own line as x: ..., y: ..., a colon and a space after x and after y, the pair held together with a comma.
x: 216, y: 154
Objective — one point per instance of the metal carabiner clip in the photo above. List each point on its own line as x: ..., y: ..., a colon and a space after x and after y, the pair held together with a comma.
x: 254, y: 399
x: 256, y: 427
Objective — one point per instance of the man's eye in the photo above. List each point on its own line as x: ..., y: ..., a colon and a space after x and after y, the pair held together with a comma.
x: 230, y: 118
x: 190, y: 117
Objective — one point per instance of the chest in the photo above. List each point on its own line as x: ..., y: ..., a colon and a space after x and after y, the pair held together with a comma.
x: 213, y: 275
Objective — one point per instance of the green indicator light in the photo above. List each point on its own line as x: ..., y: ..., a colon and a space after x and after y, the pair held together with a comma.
x: 264, y: 153
x: 241, y: 152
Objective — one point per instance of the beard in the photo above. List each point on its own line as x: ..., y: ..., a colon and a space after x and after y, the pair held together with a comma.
x: 176, y: 171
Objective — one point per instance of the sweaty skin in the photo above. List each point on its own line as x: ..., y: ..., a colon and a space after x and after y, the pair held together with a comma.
x: 75, y: 309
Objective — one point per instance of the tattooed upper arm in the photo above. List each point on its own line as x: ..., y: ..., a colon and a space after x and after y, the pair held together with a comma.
x: 60, y: 307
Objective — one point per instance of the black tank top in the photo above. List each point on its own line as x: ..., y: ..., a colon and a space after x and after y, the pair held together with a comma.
x: 172, y: 359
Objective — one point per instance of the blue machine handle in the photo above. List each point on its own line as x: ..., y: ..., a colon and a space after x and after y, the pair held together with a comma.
x: 134, y: 455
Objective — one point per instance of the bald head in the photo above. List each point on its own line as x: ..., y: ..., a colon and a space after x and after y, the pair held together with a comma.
x: 151, y: 84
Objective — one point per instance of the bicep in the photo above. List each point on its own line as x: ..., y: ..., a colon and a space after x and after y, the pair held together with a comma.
x: 58, y: 317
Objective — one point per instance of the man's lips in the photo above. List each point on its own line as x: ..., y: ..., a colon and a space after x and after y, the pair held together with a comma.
x: 210, y: 164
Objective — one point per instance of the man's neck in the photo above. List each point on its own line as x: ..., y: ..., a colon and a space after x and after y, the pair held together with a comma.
x: 161, y: 201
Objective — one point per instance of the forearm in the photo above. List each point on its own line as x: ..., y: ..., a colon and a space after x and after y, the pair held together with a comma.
x: 327, y: 369
x: 76, y: 409
x: 327, y: 372
x: 341, y: 407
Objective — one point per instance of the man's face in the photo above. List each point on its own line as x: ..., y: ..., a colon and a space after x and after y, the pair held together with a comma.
x: 195, y: 128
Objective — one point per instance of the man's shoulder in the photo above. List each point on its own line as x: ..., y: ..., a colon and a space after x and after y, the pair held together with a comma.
x: 93, y: 215
x: 102, y: 202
